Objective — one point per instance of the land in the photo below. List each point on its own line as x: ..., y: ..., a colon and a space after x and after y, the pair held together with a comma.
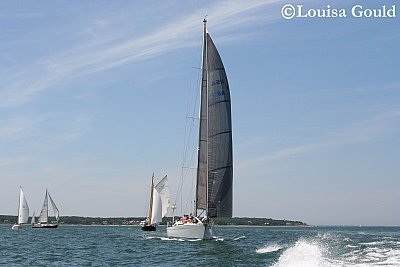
x: 78, y: 220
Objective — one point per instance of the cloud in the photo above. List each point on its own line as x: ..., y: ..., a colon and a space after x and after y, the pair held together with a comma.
x: 86, y: 59
x: 20, y: 126
x: 358, y: 132
x: 4, y: 162
x: 385, y: 87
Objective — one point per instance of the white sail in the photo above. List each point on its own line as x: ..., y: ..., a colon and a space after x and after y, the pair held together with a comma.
x: 163, y: 189
x: 44, y: 214
x: 55, y: 209
x: 156, y: 212
x: 23, y: 210
x: 33, y: 218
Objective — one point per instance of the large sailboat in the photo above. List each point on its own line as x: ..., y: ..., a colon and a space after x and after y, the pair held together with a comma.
x: 23, y: 211
x: 43, y: 221
x: 159, y: 204
x: 214, y: 177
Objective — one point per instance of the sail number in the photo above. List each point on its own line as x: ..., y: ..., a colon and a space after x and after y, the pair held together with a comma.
x: 216, y: 82
x: 218, y: 93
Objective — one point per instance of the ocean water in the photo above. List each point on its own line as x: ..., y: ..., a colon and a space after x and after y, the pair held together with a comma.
x: 233, y: 246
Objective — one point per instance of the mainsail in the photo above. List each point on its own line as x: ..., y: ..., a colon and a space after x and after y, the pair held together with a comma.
x: 44, y: 213
x: 160, y: 201
x: 215, y: 162
x: 23, y: 209
x: 163, y: 190
x: 156, y: 212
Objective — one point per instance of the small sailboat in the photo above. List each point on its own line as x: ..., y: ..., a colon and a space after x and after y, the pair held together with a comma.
x: 159, y: 204
x: 33, y: 220
x: 214, y: 177
x: 43, y: 221
x: 23, y: 211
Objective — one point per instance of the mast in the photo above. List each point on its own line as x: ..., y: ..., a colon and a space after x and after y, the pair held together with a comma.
x: 151, y: 199
x: 202, y: 154
x: 206, y: 71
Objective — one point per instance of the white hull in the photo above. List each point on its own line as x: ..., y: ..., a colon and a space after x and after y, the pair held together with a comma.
x: 191, y: 231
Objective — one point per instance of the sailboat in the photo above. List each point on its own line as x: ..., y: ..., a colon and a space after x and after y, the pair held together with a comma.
x: 214, y: 177
x: 33, y: 220
x: 159, y: 204
x: 43, y: 221
x: 23, y: 211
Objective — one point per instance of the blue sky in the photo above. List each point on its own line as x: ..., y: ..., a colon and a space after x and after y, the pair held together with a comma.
x: 94, y: 97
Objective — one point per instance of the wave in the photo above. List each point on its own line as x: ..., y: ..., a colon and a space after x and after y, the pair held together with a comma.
x: 237, y: 238
x: 269, y: 248
x: 303, y: 253
x: 313, y: 253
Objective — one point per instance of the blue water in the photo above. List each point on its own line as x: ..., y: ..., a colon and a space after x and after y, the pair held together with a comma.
x: 233, y: 246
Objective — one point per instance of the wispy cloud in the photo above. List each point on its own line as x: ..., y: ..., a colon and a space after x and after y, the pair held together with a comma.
x: 359, y: 132
x: 385, y: 87
x: 4, y: 162
x: 19, y: 127
x: 45, y: 74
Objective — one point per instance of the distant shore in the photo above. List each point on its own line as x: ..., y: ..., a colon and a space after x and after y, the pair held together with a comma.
x: 132, y: 221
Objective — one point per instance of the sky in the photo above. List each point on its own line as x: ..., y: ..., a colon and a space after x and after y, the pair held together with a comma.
x: 94, y: 98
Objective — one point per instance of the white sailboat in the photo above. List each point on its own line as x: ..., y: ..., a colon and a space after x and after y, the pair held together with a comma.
x: 159, y: 204
x: 43, y: 221
x: 214, y: 178
x: 33, y: 220
x: 23, y: 211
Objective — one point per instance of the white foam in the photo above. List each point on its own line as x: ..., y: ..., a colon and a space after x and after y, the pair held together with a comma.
x: 269, y: 248
x: 150, y: 237
x: 237, y: 238
x: 194, y: 240
x: 302, y: 254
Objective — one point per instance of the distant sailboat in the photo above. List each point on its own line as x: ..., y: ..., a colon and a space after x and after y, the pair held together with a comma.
x: 215, y: 162
x: 159, y: 204
x: 23, y: 211
x: 43, y: 221
x: 33, y: 220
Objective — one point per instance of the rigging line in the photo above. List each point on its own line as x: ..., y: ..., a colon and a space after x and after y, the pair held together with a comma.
x: 188, y: 136
x: 188, y: 104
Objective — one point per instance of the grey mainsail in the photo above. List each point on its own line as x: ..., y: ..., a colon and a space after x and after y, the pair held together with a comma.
x: 215, y: 161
